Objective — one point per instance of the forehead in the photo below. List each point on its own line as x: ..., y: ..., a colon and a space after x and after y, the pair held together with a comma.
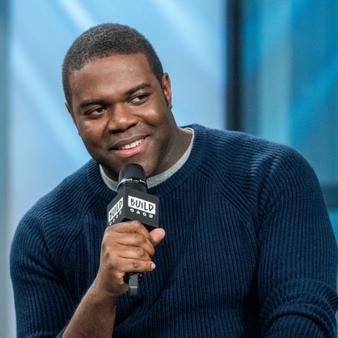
x: 116, y: 72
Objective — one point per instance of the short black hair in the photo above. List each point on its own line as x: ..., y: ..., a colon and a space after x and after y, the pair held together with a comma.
x: 106, y: 40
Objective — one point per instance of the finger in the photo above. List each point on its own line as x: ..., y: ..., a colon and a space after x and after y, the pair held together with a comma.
x: 129, y: 227
x: 133, y: 252
x: 132, y: 265
x: 156, y: 236
x: 135, y: 240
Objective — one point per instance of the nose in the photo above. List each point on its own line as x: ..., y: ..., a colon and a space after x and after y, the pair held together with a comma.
x: 120, y: 118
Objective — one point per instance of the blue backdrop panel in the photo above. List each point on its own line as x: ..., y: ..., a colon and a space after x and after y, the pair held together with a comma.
x: 290, y: 80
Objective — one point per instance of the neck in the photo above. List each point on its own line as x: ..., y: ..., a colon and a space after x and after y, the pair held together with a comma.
x: 179, y: 143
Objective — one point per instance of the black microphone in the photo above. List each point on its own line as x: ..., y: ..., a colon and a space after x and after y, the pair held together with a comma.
x: 132, y: 202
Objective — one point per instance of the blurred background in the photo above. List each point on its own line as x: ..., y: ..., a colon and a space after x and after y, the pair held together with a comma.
x: 267, y: 67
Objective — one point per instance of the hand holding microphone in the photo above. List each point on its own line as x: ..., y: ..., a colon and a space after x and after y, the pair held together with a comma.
x: 131, y: 236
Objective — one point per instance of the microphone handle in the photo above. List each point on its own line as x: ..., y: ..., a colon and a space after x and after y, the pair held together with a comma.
x: 133, y: 279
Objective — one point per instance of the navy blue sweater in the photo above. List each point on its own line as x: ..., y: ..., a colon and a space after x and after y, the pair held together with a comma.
x: 249, y: 250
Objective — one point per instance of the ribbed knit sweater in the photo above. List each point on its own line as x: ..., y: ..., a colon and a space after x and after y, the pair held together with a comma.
x: 249, y: 250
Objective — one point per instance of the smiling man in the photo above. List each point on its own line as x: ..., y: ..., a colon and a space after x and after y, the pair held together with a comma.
x: 247, y: 250
x: 121, y: 110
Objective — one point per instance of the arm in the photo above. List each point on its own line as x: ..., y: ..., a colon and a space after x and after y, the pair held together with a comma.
x: 43, y: 301
x: 126, y: 247
x: 298, y: 254
x: 94, y: 317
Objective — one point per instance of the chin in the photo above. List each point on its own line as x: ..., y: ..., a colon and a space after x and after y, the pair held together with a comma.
x: 113, y: 169
x: 149, y: 170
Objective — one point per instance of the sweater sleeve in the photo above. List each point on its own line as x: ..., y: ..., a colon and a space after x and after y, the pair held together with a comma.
x: 297, y: 254
x: 43, y: 303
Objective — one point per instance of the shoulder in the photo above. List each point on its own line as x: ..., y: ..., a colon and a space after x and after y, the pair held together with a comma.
x: 66, y: 197
x: 238, y: 153
x: 55, y: 219
x: 243, y: 165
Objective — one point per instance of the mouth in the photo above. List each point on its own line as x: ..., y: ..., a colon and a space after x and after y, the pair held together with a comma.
x: 131, y: 147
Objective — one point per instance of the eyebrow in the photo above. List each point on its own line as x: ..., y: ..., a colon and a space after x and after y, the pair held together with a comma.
x: 87, y: 103
x: 129, y: 92
x: 136, y: 88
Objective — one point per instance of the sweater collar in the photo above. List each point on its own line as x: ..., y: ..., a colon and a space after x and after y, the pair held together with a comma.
x: 159, y: 178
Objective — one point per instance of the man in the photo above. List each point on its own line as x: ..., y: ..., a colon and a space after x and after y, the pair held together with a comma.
x: 247, y: 250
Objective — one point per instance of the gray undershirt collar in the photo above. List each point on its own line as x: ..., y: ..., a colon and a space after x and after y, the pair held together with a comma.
x: 157, y: 179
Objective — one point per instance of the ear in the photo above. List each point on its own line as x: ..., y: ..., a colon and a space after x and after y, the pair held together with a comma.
x: 166, y: 87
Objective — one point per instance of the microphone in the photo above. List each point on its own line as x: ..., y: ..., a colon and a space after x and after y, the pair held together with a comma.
x: 132, y: 202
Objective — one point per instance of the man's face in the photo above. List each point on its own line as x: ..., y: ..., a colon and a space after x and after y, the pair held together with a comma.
x: 122, y: 114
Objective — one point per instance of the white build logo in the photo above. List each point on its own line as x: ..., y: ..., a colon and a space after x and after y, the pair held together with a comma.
x: 141, y: 206
x: 115, y: 210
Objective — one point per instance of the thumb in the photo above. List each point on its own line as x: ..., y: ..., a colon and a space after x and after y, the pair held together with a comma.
x: 157, y: 235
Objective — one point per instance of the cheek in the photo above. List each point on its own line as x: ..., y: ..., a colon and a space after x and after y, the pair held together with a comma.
x: 157, y: 111
x: 157, y: 116
x: 91, y: 133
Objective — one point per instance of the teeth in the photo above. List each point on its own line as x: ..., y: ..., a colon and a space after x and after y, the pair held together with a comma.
x: 131, y: 145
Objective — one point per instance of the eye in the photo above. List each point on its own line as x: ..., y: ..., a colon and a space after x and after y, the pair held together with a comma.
x: 95, y: 112
x: 139, y: 99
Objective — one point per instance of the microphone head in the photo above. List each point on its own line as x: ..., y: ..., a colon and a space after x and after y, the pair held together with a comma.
x: 132, y: 173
